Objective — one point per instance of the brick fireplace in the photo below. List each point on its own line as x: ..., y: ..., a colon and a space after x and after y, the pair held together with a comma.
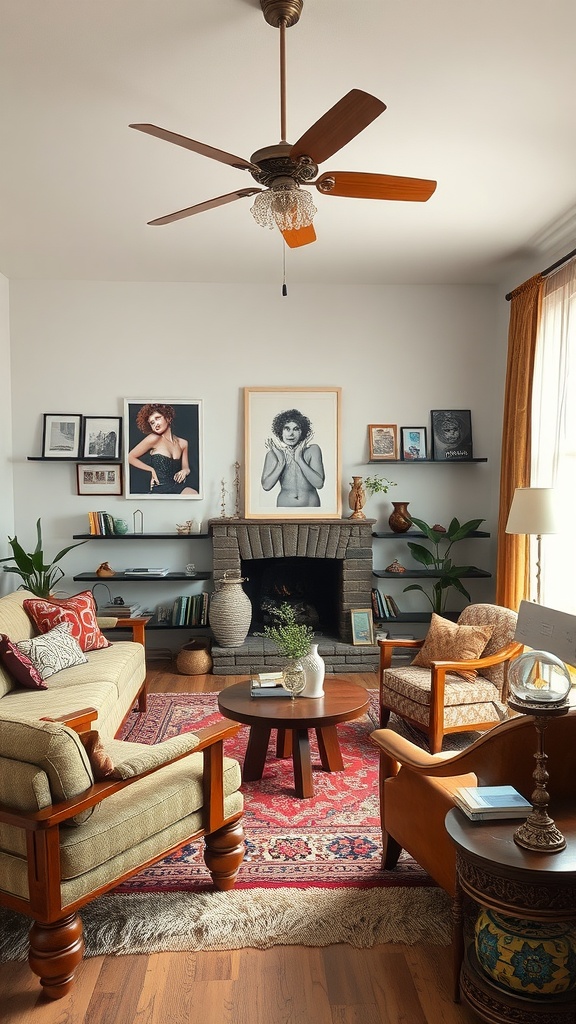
x: 239, y: 544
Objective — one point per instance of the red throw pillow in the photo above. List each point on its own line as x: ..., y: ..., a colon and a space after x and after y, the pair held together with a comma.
x: 19, y: 666
x: 78, y: 611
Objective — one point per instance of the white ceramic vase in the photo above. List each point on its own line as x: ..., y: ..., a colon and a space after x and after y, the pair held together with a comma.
x: 314, y: 670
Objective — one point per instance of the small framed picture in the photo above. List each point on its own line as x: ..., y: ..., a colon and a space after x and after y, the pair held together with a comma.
x: 61, y: 435
x: 362, y: 627
x: 383, y: 441
x: 413, y: 443
x: 102, y: 437
x: 104, y: 478
x: 451, y: 435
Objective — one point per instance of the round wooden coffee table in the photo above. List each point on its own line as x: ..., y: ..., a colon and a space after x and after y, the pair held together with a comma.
x: 341, y: 702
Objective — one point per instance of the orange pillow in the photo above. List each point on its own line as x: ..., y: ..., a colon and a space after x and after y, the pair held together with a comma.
x: 78, y: 611
x: 101, y: 764
x: 447, y: 641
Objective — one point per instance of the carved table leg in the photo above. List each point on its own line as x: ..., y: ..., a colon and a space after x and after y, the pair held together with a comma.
x: 55, y: 952
x: 224, y: 853
x: 256, y: 751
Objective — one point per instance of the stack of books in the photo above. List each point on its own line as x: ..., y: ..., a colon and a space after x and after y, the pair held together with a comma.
x: 484, y: 803
x: 101, y: 524
x: 268, y: 684
x: 144, y: 571
x: 121, y: 611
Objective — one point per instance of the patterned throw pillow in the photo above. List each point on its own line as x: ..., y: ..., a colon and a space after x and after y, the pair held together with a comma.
x: 53, y: 651
x: 79, y: 611
x: 19, y: 666
x: 446, y: 641
x: 101, y: 763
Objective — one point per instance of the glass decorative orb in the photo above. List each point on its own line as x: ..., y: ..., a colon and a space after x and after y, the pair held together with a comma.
x: 539, y: 679
x: 293, y: 677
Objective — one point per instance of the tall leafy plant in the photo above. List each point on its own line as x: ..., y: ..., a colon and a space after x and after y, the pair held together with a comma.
x: 437, y: 558
x: 37, y: 575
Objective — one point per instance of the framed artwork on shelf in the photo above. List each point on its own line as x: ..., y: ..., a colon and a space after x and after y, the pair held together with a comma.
x: 102, y: 437
x: 101, y: 479
x: 61, y: 435
x: 451, y: 434
x: 292, y: 439
x: 414, y: 444
x: 383, y: 441
x: 163, y: 448
x: 362, y: 627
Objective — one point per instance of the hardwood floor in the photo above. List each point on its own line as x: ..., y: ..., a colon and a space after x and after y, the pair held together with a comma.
x: 390, y: 984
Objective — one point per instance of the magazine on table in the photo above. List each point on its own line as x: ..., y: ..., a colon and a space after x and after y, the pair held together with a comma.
x: 482, y: 803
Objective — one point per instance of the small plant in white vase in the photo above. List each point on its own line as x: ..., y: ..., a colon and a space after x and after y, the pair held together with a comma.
x: 293, y: 640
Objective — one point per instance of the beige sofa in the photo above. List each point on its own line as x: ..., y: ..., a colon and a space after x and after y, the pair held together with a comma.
x: 110, y: 682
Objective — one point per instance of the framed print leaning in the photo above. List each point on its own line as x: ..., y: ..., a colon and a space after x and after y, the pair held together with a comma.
x: 451, y: 434
x: 61, y: 435
x: 362, y: 627
x: 383, y: 441
x: 413, y: 443
x: 163, y: 445
x: 102, y: 437
x: 292, y: 453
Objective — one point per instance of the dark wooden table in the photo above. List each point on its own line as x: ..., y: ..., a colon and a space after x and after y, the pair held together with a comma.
x: 496, y: 873
x: 342, y: 702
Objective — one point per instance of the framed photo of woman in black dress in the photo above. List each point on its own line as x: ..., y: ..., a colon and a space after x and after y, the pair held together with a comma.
x: 163, y: 448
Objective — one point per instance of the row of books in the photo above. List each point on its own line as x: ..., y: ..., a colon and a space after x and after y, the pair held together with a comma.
x: 101, y: 524
x: 191, y: 610
x: 383, y: 605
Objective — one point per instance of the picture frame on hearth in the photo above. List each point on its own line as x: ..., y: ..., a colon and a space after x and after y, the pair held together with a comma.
x: 102, y: 437
x: 61, y: 435
x: 292, y: 445
x: 163, y: 448
x: 362, y: 627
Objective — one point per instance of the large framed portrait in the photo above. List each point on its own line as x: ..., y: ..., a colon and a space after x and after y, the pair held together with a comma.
x: 61, y: 435
x: 163, y: 448
x: 292, y: 453
x: 451, y: 435
x: 102, y: 437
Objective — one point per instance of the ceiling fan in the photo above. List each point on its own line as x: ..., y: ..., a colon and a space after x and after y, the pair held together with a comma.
x: 283, y: 168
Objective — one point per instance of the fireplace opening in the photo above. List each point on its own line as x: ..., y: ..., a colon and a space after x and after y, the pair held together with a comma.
x: 311, y: 585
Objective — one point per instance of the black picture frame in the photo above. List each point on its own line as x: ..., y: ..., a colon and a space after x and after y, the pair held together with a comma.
x: 451, y: 435
x: 414, y: 444
x: 102, y: 437
x: 61, y: 435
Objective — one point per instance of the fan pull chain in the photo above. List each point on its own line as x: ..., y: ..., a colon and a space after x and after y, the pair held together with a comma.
x: 284, y: 286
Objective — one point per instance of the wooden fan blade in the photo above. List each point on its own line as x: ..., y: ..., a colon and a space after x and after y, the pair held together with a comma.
x: 337, y: 126
x: 210, y: 204
x: 196, y: 147
x: 299, y: 236
x: 356, y: 185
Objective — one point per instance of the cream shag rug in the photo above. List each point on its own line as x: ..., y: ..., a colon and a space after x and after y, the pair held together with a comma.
x: 257, y: 918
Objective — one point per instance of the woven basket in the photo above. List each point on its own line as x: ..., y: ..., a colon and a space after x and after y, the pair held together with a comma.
x: 194, y: 659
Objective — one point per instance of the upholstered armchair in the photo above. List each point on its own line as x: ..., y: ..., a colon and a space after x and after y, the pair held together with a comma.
x: 461, y: 681
x: 416, y: 788
x: 66, y: 837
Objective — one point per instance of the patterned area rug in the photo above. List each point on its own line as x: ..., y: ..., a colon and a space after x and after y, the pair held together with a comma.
x: 330, y: 840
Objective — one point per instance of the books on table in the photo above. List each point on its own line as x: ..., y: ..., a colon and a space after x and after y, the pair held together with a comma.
x: 268, y: 687
x: 482, y: 803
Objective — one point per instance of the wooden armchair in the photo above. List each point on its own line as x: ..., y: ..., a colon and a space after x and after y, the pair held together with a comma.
x: 66, y: 838
x: 438, y: 699
x: 416, y: 787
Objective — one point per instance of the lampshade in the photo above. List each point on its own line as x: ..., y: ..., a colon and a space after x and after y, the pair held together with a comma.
x: 532, y: 511
x: 286, y: 208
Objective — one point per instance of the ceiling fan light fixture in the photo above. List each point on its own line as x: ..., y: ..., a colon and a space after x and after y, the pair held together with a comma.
x: 286, y: 209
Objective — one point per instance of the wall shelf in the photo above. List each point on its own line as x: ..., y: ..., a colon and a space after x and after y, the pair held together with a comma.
x: 122, y: 577
x: 422, y: 462
x: 420, y: 574
x: 73, y: 458
x: 418, y: 533
x: 140, y: 536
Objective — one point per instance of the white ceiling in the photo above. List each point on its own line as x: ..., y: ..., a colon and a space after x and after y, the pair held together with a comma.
x: 480, y: 95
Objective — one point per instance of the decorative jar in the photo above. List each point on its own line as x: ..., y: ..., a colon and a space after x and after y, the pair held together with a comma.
x: 532, y: 958
x: 230, y: 611
x: 314, y: 671
x: 399, y: 520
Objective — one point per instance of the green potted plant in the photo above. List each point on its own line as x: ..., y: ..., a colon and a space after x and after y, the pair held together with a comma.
x: 293, y: 640
x: 438, y: 560
x: 36, y: 574
x: 377, y: 485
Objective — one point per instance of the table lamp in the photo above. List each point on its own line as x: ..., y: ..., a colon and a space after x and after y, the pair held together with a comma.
x: 533, y: 513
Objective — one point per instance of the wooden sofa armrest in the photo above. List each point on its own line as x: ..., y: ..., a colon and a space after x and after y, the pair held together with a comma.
x: 80, y: 721
x: 387, y: 649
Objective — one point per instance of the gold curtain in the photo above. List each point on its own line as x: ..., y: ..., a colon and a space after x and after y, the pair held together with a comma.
x: 513, y: 560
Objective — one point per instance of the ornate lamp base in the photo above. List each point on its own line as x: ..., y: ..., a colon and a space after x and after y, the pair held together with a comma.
x: 539, y: 833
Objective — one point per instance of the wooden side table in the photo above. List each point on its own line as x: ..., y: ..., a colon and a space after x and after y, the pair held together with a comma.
x: 497, y: 874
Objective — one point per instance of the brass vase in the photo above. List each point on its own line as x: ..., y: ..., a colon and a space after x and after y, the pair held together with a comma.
x: 399, y: 520
x: 357, y: 498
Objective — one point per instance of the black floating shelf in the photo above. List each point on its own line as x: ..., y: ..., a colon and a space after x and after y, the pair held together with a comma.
x: 73, y: 458
x: 139, y: 536
x: 420, y: 574
x: 422, y: 536
x: 415, y: 617
x: 121, y: 577
x: 423, y: 462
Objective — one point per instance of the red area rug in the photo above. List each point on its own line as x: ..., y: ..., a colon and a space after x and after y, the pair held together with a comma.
x: 330, y: 840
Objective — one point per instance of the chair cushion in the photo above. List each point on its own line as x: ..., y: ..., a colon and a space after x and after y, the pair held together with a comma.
x: 53, y: 651
x: 79, y: 611
x: 448, y: 641
x: 503, y: 622
x: 415, y: 684
x: 19, y: 665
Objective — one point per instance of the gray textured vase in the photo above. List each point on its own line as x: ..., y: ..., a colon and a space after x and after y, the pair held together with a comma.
x: 314, y: 671
x: 230, y: 611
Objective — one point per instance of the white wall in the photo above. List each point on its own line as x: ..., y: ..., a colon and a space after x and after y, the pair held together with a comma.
x: 6, y: 488
x: 396, y: 351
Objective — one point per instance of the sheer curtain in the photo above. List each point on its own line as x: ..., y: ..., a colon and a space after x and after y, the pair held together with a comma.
x: 554, y: 432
